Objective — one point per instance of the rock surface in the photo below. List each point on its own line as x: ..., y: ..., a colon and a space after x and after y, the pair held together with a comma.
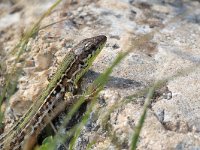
x: 173, y: 119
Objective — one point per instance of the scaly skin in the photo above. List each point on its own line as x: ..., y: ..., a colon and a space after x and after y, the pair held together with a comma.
x: 51, y: 101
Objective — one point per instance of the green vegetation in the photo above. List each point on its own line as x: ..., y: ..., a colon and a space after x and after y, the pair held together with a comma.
x: 50, y: 142
x: 18, y: 50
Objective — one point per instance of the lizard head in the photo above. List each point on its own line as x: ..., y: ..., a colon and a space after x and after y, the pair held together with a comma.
x: 86, y: 52
x: 90, y: 46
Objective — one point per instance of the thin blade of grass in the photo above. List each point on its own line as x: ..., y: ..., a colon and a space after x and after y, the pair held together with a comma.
x: 100, y: 82
x: 21, y: 45
x: 142, y: 119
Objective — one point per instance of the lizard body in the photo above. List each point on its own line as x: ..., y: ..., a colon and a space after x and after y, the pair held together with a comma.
x: 52, y: 100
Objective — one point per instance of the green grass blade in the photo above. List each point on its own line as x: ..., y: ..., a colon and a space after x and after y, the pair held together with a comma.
x: 142, y: 119
x: 22, y: 46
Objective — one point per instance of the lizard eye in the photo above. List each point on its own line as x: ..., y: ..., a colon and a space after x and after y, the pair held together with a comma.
x: 82, y: 63
x: 87, y: 45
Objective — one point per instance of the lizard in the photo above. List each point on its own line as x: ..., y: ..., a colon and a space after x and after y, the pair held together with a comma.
x: 60, y: 92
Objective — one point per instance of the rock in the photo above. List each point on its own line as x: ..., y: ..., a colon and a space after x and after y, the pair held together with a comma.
x: 163, y: 37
